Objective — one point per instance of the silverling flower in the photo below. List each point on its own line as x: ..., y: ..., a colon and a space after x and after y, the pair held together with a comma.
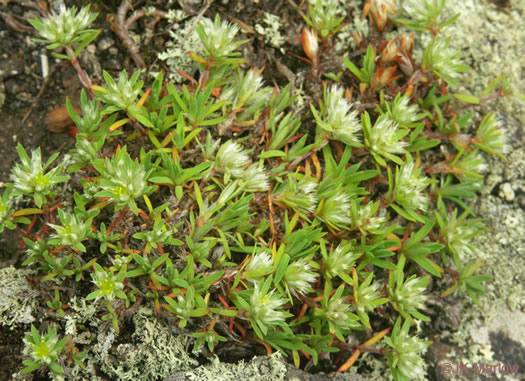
x: 491, y: 136
x: 402, y: 112
x: 217, y: 37
x: 231, y: 159
x: 340, y: 260
x: 443, y: 61
x: 260, y: 265
x: 255, y: 179
x: 363, y: 216
x: 405, y: 355
x: 121, y: 94
x: 336, y: 210
x: 425, y: 12
x: 265, y: 308
x: 298, y: 194
x: 385, y: 137
x: 65, y: 27
x: 409, y: 186
x: 339, y: 120
x: 299, y: 277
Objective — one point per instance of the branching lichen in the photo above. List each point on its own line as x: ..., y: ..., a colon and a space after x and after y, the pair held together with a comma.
x: 17, y: 298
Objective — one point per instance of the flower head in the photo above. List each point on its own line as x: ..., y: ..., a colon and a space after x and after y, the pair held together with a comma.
x: 260, y: 265
x: 122, y: 94
x: 324, y: 17
x: 247, y: 90
x: 217, y: 37
x: 337, y: 313
x: 424, y: 12
x: 339, y: 120
x: 443, y: 61
x: 123, y: 179
x: 231, y: 159
x: 30, y: 177
x: 336, y: 210
x: 409, y: 187
x: 385, y: 137
x: 298, y: 194
x: 255, y: 179
x: 71, y: 232
x: 265, y: 307
x: 409, y: 295
x: 65, y: 27
x: 471, y: 165
x: 340, y: 260
x: 43, y: 350
x: 363, y: 216
x: 491, y: 136
x: 109, y: 285
x: 299, y: 277
x: 402, y: 112
x: 405, y: 357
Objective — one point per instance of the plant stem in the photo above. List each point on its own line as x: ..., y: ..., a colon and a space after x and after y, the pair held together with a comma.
x: 84, y: 79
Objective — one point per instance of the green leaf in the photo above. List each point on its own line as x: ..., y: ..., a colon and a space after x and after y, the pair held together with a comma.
x: 140, y: 114
x: 274, y: 153
x: 31, y: 366
x: 281, y: 269
x: 90, y: 36
x: 467, y: 98
x: 354, y: 69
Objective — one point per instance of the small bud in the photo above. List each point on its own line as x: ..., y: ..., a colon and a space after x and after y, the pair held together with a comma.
x: 380, y: 10
x: 310, y: 44
x: 358, y: 38
x: 383, y: 76
x: 389, y: 50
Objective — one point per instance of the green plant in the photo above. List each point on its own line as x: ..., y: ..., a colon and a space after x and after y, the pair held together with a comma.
x: 43, y: 350
x: 30, y: 177
x: 240, y: 214
x: 323, y: 18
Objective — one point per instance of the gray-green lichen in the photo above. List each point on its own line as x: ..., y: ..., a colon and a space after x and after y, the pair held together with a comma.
x: 183, y: 41
x: 266, y: 368
x: 17, y: 299
x: 153, y: 352
x: 269, y: 28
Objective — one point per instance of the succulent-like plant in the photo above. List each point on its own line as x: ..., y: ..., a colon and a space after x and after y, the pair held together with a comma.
x: 43, y: 350
x: 405, y: 355
x: 296, y: 229
x: 65, y: 27
x: 338, y: 120
x: 123, y: 180
x: 443, y: 61
x: 30, y: 177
